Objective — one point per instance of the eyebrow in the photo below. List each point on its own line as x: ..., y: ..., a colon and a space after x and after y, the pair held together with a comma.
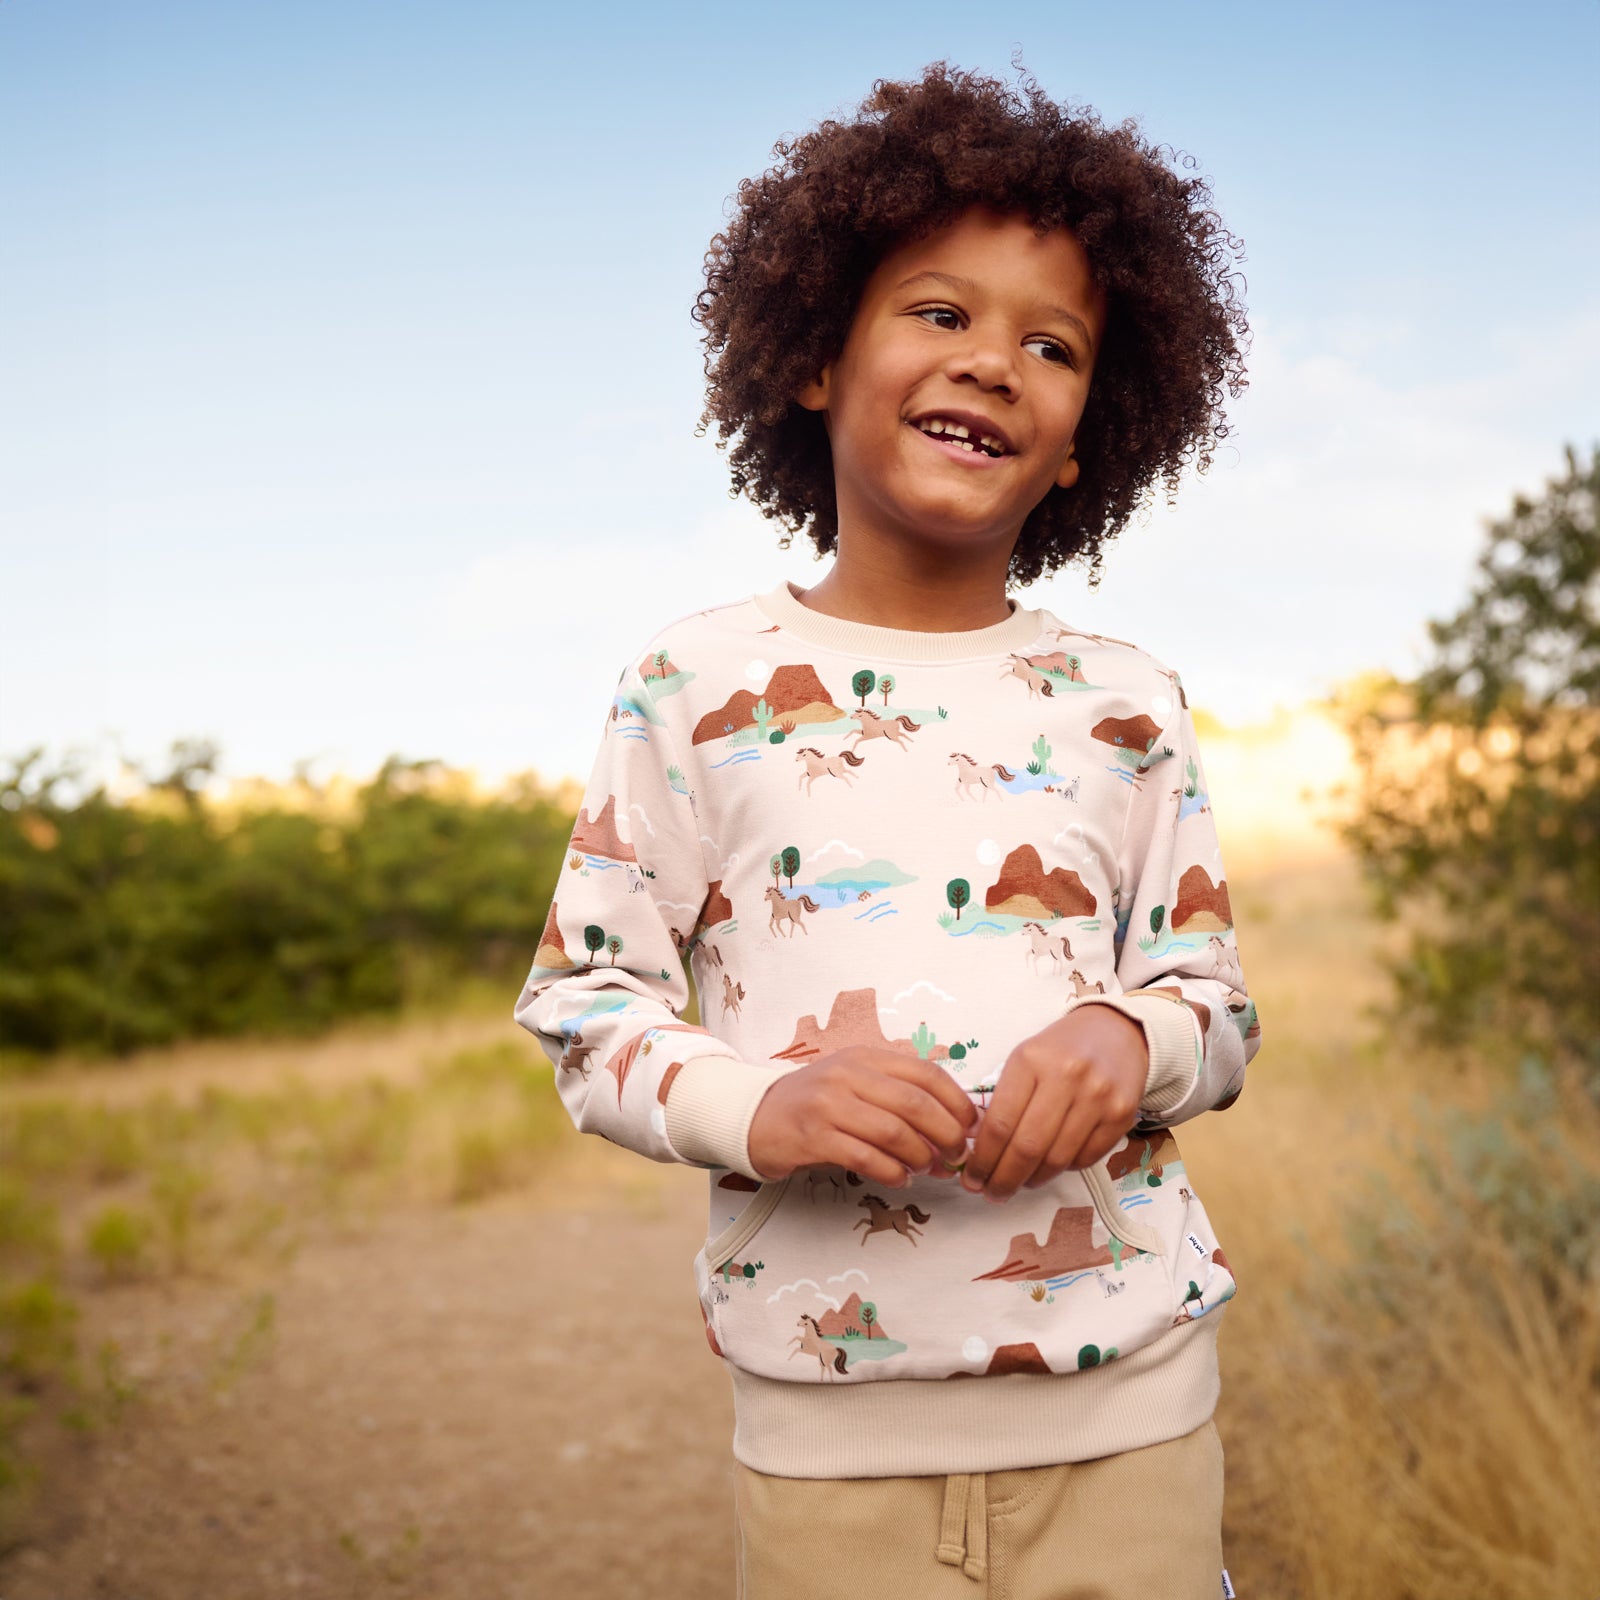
x: 967, y: 286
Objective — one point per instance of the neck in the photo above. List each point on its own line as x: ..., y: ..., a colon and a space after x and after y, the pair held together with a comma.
x: 912, y: 589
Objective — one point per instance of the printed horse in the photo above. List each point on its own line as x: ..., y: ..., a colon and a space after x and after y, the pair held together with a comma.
x: 1080, y: 985
x: 821, y: 766
x: 790, y: 913
x: 1225, y: 959
x: 968, y: 772
x: 1044, y: 943
x: 836, y: 1181
x: 576, y: 1055
x: 1037, y: 681
x: 809, y: 1342
x: 881, y: 1217
x: 732, y: 994
x: 899, y: 729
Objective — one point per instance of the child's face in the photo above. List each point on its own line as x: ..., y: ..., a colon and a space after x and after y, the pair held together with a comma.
x: 982, y: 324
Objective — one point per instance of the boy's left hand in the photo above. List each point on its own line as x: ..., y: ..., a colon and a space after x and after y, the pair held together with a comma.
x: 1067, y: 1094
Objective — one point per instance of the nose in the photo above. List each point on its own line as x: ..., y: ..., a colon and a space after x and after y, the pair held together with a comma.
x: 988, y: 358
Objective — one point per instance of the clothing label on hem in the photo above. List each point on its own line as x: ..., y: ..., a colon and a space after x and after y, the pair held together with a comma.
x: 1227, y: 1586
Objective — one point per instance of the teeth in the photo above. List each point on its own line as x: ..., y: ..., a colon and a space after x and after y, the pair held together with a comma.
x: 959, y: 433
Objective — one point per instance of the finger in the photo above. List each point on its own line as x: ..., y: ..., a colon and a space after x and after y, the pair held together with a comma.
x: 999, y: 1123
x: 884, y: 1131
x: 923, y: 1111
x: 1082, y: 1124
x: 1063, y: 1150
x: 935, y: 1081
x: 1100, y: 1143
x: 863, y: 1159
x: 1031, y: 1142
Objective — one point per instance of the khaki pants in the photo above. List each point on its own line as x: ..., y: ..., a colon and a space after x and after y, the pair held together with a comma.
x: 1146, y: 1523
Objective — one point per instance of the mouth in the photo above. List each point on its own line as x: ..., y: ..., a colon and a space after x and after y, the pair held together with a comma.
x: 963, y: 439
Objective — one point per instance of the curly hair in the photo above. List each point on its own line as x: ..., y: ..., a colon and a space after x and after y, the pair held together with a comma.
x: 785, y: 279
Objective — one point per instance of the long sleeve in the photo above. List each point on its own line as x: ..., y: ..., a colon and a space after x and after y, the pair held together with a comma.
x: 1177, y: 961
x: 607, y: 991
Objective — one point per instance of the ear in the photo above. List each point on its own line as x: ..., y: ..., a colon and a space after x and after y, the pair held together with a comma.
x: 814, y: 396
x: 1068, y: 475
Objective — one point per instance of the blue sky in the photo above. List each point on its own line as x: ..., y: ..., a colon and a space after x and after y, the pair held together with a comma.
x: 348, y: 386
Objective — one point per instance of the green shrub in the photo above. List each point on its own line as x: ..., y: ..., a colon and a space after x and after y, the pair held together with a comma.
x: 119, y: 1239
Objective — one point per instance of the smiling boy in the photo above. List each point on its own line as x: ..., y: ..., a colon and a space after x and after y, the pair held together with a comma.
x: 945, y: 868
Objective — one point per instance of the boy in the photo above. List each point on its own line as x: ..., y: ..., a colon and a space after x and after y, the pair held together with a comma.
x: 945, y: 870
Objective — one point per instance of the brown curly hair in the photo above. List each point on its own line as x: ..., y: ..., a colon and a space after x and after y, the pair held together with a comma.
x: 785, y: 279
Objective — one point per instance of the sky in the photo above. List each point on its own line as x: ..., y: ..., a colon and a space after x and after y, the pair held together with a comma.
x: 348, y: 388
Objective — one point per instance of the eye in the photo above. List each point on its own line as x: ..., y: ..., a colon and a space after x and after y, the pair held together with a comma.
x: 941, y: 311
x: 1054, y: 350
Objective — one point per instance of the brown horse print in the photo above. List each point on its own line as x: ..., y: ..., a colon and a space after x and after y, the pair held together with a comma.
x: 898, y: 729
x: 882, y: 1218
x: 789, y: 914
x: 809, y: 1342
x: 821, y: 766
x: 988, y: 779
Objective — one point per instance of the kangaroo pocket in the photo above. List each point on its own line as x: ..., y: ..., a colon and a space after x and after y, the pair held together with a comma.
x: 827, y: 1278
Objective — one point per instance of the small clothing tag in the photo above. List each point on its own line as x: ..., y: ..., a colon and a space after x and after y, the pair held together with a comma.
x: 1227, y: 1586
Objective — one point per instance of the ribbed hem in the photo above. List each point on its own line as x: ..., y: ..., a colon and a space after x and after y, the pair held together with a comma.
x: 898, y: 644
x: 1170, y: 1032
x: 711, y: 1103
x: 893, y: 1429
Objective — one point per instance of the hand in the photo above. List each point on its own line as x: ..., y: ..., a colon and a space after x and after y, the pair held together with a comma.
x: 1066, y: 1095
x: 874, y: 1111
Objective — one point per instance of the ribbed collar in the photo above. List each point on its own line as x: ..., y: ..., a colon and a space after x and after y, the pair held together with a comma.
x: 898, y: 644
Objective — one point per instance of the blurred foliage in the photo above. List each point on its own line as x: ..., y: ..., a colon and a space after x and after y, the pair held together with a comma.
x: 1478, y: 805
x: 138, y: 921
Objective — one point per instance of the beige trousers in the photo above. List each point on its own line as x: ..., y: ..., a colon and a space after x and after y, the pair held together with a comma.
x: 1141, y: 1524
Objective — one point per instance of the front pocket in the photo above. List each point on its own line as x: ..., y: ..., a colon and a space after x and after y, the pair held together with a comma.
x: 1102, y: 1192
x: 744, y: 1227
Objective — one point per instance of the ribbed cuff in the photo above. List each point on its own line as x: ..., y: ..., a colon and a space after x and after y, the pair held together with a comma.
x: 710, y: 1105
x: 1171, y: 1033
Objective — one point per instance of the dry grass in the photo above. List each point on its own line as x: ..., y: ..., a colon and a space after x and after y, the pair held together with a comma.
x: 1411, y: 1371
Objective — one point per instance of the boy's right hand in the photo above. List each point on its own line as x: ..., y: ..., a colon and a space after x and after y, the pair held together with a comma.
x: 874, y: 1111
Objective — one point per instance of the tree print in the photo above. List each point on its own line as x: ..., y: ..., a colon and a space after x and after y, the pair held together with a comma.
x: 869, y: 1315
x: 775, y: 867
x: 614, y: 945
x: 886, y: 688
x: 1157, y: 917
x: 791, y: 863
x: 958, y: 892
x: 594, y: 936
x: 863, y: 683
x: 661, y: 663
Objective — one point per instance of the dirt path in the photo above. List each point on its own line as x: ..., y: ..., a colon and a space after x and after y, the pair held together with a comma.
x: 483, y: 1404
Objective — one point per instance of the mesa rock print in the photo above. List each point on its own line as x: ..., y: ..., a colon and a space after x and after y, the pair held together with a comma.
x: 935, y: 858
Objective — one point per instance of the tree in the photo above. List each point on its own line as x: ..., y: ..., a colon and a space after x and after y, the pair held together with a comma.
x: 791, y: 863
x: 863, y: 683
x: 869, y: 1315
x: 614, y: 945
x: 886, y: 688
x: 958, y: 891
x: 594, y: 938
x: 661, y: 663
x: 775, y: 867
x: 1477, y: 814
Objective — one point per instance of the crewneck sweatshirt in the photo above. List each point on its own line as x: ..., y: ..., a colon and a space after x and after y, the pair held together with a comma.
x: 936, y: 843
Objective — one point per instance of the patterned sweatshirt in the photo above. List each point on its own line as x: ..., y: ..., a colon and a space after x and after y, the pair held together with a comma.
x: 936, y: 843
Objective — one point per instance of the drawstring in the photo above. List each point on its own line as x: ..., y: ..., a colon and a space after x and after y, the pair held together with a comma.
x: 964, y: 1524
